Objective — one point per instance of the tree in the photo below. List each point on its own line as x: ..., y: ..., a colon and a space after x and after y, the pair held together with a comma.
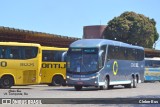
x: 132, y: 28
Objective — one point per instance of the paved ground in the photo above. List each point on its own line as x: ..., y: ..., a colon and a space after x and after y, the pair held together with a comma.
x: 144, y: 90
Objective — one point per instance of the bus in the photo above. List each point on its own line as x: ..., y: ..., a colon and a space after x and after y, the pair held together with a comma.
x: 152, y: 69
x: 53, y: 66
x: 20, y: 64
x: 104, y: 63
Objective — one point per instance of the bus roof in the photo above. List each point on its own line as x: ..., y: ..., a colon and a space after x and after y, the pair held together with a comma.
x: 53, y: 48
x: 19, y: 44
x: 99, y: 42
x: 154, y: 58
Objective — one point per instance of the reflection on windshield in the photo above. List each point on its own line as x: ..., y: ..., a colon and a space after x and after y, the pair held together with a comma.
x: 90, y: 62
x: 152, y: 63
x: 78, y: 62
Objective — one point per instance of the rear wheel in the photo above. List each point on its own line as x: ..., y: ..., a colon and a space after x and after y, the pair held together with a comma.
x: 78, y: 88
x: 57, y: 81
x: 6, y: 82
x: 131, y: 85
x: 106, y: 85
x: 135, y: 83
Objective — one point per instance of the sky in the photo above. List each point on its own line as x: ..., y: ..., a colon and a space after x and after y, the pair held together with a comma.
x: 67, y: 17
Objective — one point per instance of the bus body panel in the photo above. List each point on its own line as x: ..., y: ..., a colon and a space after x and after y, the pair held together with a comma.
x: 124, y: 72
x: 123, y: 75
x: 51, y: 68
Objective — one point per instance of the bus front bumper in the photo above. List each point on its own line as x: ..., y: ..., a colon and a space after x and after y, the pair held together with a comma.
x: 85, y: 81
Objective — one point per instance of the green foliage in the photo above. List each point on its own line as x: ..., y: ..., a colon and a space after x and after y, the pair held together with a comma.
x: 132, y: 28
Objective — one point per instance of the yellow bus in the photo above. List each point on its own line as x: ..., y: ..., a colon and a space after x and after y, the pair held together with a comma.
x: 20, y: 64
x: 53, y: 66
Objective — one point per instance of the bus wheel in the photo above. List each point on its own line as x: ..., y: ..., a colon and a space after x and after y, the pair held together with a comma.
x: 57, y: 80
x: 77, y: 88
x: 135, y: 83
x: 131, y: 85
x: 106, y: 85
x: 111, y: 86
x: 6, y: 82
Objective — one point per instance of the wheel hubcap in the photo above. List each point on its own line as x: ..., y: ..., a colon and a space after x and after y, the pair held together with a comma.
x: 6, y: 82
x: 106, y: 84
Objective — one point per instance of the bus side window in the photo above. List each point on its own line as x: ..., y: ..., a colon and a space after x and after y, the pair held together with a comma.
x: 130, y: 54
x: 58, y: 56
x: 30, y: 52
x: 45, y: 58
x: 2, y: 52
x: 126, y: 53
x: 101, y: 55
x: 14, y: 53
x: 121, y: 53
x: 47, y: 55
x: 140, y: 55
x: 117, y: 52
x: 111, y: 53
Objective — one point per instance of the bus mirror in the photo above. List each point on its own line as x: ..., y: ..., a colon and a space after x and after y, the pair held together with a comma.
x: 64, y: 55
x: 101, y: 59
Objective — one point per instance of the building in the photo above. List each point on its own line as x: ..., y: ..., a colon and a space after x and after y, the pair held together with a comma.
x: 18, y: 35
x: 94, y: 31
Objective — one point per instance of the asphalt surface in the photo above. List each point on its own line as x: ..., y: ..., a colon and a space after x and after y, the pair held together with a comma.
x: 143, y: 90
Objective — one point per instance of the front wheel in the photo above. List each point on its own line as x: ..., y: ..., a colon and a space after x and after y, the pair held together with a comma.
x: 6, y: 82
x: 78, y: 88
x: 106, y: 85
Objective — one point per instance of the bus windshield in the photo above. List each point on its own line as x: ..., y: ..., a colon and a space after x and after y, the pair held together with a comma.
x: 152, y: 63
x: 82, y: 61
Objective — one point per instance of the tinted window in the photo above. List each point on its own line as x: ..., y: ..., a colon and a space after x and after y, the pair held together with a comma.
x: 123, y: 53
x: 18, y: 52
x: 14, y: 52
x: 152, y: 63
x: 30, y: 52
x: 111, y: 52
x: 3, y: 52
x: 52, y: 56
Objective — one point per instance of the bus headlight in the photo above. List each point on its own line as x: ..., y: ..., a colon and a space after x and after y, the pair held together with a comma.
x: 67, y: 76
x: 94, y: 77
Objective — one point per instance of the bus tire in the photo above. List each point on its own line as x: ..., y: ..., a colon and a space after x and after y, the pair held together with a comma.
x: 6, y: 82
x: 111, y: 86
x: 78, y: 88
x: 57, y: 80
x: 131, y: 85
x: 135, y: 83
x: 106, y: 86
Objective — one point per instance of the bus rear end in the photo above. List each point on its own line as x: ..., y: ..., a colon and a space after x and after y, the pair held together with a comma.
x: 21, y: 64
